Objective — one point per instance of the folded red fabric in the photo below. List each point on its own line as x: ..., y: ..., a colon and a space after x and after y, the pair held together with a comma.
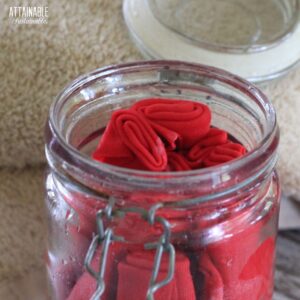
x: 199, y: 151
x: 244, y: 263
x: 214, y: 137
x: 137, y: 230
x: 234, y: 268
x: 212, y: 286
x: 258, y: 268
x: 139, y: 137
x: 229, y: 267
x: 177, y: 162
x: 223, y: 153
x: 85, y: 287
x: 189, y: 119
x: 135, y: 273
x: 129, y: 275
x: 170, y: 138
x: 129, y: 141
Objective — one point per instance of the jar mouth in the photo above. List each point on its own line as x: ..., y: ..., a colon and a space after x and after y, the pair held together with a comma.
x: 267, y: 145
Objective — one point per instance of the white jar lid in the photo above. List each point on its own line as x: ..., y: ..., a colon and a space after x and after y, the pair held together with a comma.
x: 258, y: 40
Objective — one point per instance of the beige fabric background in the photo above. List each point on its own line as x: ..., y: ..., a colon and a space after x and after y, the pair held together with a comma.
x: 22, y: 223
x: 36, y: 62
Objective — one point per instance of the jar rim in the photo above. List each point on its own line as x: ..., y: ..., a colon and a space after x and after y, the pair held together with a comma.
x: 148, y: 177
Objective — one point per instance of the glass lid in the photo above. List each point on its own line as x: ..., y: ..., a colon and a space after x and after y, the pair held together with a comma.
x: 256, y: 39
x: 231, y: 25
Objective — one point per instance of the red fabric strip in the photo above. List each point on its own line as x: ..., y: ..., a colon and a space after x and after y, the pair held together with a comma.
x: 189, y: 119
x: 177, y: 162
x: 131, y: 142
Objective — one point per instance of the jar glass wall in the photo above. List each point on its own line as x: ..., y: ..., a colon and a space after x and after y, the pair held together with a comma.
x: 215, y: 227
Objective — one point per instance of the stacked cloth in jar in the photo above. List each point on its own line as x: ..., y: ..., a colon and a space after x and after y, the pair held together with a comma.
x: 218, y: 270
x: 36, y: 62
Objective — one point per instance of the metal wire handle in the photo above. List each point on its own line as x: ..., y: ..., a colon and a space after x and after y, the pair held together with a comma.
x: 106, y: 236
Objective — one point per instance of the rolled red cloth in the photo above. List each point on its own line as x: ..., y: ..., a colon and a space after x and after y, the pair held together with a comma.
x: 212, y: 286
x: 177, y: 162
x: 223, y: 153
x: 189, y: 119
x: 199, y: 151
x: 258, y: 268
x: 130, y: 275
x: 138, y: 231
x: 129, y: 141
x: 170, y: 138
x: 214, y: 137
x: 245, y: 264
x: 85, y: 287
x: 135, y: 272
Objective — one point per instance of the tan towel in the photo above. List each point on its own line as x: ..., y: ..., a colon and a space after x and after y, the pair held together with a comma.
x: 31, y: 286
x: 22, y: 222
x: 39, y: 60
x: 285, y: 95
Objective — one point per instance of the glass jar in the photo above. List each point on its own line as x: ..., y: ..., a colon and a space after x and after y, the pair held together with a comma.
x: 127, y: 234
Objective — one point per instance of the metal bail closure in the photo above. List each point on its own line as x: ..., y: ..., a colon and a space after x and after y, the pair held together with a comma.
x: 106, y: 236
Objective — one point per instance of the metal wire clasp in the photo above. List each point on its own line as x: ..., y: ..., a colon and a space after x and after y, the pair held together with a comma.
x: 163, y: 245
x: 106, y: 236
